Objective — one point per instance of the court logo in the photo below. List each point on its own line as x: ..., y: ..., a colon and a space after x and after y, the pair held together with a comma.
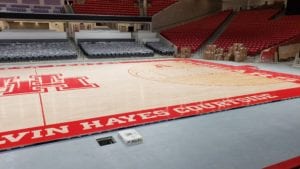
x: 184, y: 73
x: 42, y: 84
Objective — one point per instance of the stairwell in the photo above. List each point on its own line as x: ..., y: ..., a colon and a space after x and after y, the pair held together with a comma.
x: 68, y: 9
x: 214, y: 36
x: 165, y: 9
x: 279, y: 15
x: 80, y: 55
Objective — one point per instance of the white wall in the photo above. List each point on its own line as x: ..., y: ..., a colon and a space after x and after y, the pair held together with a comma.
x: 33, y: 35
x: 3, y: 25
x: 102, y: 35
x: 145, y: 36
x: 57, y: 26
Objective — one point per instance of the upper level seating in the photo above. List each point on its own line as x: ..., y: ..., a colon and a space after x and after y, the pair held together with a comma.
x: 30, y: 1
x: 193, y: 34
x: 107, y: 7
x: 52, y: 2
x: 157, y: 6
x: 32, y: 6
x: 254, y: 16
x: 257, y: 32
x: 118, y: 7
x: 8, y: 1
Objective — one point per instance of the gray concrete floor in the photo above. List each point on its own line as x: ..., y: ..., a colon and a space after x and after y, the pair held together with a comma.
x: 246, y: 138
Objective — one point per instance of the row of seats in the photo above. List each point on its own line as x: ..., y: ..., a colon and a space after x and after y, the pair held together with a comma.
x: 119, y: 7
x: 31, y: 1
x: 257, y: 32
x: 8, y: 1
x: 157, y: 6
x: 35, y: 9
x: 52, y: 2
x: 114, y: 49
x: 11, y: 51
x: 31, y: 51
x: 194, y: 34
x: 107, y: 7
x: 36, y: 2
x: 161, y: 48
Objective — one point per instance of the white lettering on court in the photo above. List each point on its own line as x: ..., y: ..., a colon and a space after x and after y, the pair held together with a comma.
x: 61, y: 129
x: 13, y: 139
x: 88, y: 126
x: 111, y: 121
x: 129, y: 118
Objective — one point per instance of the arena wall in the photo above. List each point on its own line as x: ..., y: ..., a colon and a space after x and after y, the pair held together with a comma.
x: 245, y: 4
x: 288, y: 51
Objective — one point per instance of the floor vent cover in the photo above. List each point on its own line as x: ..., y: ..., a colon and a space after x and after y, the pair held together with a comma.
x: 106, y: 141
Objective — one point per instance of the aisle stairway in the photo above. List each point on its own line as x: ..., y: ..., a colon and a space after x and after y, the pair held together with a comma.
x: 215, y: 36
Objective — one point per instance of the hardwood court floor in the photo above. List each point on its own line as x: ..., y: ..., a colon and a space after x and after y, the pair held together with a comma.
x: 50, y: 102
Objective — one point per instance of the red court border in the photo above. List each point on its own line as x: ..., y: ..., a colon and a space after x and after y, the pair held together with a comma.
x: 47, y: 133
x: 293, y: 163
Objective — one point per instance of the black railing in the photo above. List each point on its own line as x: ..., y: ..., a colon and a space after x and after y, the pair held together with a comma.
x: 73, y: 17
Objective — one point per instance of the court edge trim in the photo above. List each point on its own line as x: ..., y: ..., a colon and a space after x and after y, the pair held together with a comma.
x: 72, y: 129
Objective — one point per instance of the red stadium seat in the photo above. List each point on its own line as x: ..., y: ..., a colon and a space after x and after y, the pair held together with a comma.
x: 257, y: 32
x: 118, y: 7
x: 195, y: 33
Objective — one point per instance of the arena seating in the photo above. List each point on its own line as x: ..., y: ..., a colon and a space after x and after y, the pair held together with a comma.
x: 52, y: 2
x: 112, y: 49
x: 161, y: 48
x: 30, y: 1
x: 23, y: 50
x: 157, y: 6
x: 8, y: 1
x: 32, y: 6
x: 257, y: 32
x: 193, y: 34
x: 33, y: 10
x: 107, y: 7
x: 118, y: 7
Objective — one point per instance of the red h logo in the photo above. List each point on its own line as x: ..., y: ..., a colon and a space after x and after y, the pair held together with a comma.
x: 42, y: 84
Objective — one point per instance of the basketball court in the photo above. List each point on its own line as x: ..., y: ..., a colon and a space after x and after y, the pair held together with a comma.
x: 52, y: 102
